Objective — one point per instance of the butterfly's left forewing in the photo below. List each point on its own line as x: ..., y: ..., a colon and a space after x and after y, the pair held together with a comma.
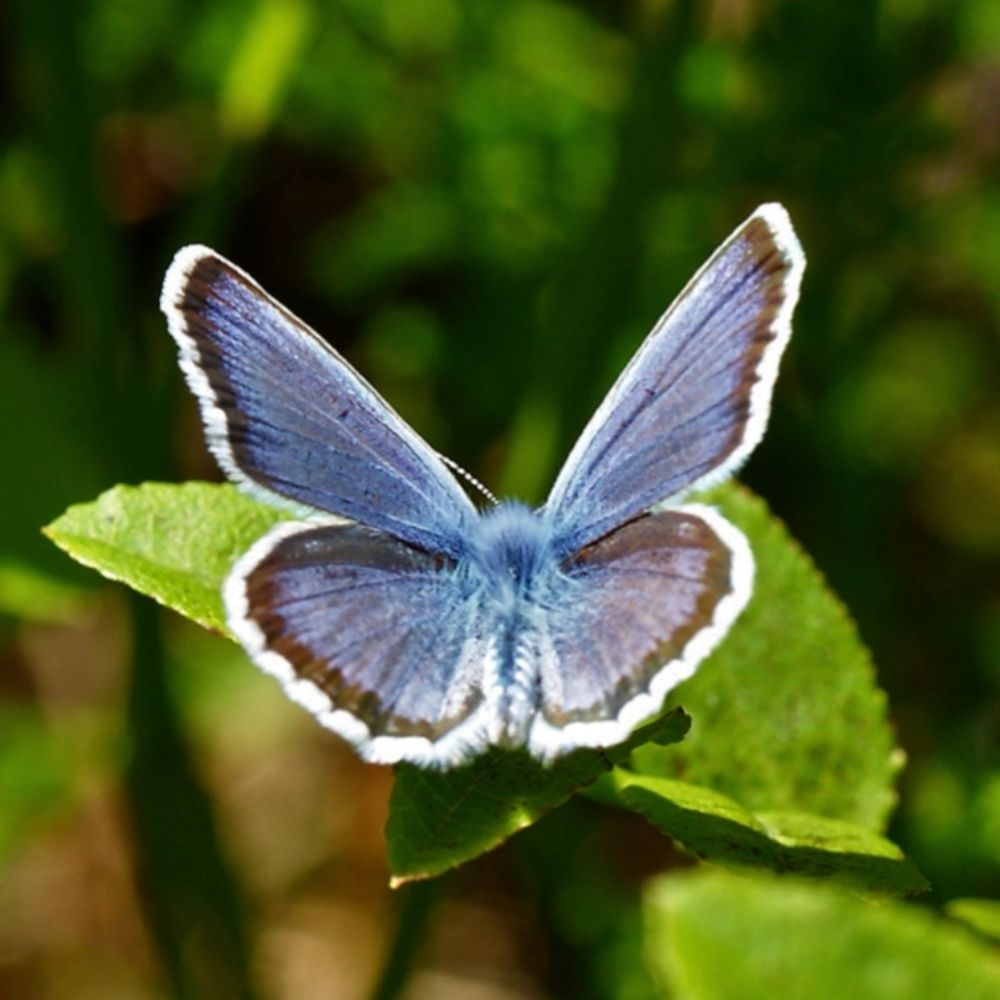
x: 289, y: 420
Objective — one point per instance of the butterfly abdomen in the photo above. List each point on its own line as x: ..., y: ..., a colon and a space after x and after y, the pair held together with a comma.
x: 515, y: 566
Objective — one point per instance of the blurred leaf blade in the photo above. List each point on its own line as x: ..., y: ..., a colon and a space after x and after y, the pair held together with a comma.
x: 982, y: 915
x: 36, y: 777
x: 31, y: 595
x: 711, y: 934
x: 262, y: 65
x: 49, y: 399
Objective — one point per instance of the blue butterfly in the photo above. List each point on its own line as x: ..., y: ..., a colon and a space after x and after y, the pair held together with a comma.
x: 423, y: 629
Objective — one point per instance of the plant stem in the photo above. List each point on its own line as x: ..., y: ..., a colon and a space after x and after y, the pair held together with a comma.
x: 416, y: 903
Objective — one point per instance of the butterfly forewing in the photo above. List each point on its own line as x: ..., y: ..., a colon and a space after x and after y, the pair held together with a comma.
x: 287, y: 416
x: 694, y: 400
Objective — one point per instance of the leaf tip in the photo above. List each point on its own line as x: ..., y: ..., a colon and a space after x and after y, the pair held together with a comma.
x: 401, y: 881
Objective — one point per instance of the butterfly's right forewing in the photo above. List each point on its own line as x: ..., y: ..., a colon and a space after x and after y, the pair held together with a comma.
x: 693, y: 402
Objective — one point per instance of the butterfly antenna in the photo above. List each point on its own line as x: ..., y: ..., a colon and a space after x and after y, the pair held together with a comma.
x: 468, y: 477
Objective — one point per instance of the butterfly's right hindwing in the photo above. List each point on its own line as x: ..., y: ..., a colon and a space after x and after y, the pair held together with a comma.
x: 647, y: 603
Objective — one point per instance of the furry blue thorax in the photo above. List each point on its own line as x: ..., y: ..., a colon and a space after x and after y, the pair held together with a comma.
x: 511, y: 542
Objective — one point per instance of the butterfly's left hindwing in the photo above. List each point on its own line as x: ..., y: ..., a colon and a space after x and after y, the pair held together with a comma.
x: 378, y: 639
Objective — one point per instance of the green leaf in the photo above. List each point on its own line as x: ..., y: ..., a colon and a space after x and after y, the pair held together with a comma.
x: 715, y: 828
x: 788, y: 717
x: 715, y: 935
x: 174, y: 543
x: 438, y: 820
x: 785, y: 714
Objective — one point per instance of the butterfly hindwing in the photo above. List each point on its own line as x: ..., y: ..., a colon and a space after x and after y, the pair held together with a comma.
x: 643, y: 606
x: 693, y: 402
x: 288, y: 418
x: 378, y: 639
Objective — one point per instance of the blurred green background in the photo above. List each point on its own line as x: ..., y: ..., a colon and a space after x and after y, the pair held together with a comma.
x: 484, y: 206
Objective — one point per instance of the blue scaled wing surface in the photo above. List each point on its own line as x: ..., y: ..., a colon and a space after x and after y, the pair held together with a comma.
x: 376, y: 637
x: 694, y: 400
x: 640, y: 609
x: 289, y: 419
x: 384, y: 625
x: 658, y: 585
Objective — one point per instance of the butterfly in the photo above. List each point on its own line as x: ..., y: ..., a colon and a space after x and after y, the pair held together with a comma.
x: 424, y: 629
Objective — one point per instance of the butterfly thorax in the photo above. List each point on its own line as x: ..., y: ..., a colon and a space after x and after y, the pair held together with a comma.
x: 511, y: 547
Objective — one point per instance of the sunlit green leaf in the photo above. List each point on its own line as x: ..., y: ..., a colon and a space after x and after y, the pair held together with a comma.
x: 716, y: 828
x: 785, y: 714
x: 174, y: 543
x: 778, y: 717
